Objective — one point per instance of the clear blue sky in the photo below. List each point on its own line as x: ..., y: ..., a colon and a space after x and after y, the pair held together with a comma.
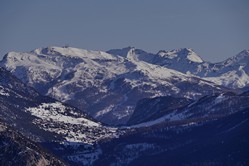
x: 215, y: 29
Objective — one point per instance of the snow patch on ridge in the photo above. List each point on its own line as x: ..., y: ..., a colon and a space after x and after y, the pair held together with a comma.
x: 194, y: 58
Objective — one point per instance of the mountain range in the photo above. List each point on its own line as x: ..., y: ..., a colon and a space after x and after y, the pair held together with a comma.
x: 126, y: 106
x: 108, y: 85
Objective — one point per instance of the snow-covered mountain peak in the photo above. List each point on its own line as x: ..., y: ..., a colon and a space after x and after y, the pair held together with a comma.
x: 72, y: 52
x: 240, y: 59
x: 243, y: 54
x: 182, y: 53
x: 51, y: 50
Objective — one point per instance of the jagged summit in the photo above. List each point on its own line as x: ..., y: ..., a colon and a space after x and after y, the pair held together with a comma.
x: 244, y: 53
x: 242, y: 56
x: 185, y: 53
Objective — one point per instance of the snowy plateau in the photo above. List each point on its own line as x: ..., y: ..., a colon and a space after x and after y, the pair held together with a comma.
x: 70, y: 106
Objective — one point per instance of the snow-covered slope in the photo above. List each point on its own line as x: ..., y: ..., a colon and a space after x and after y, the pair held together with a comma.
x: 105, y: 85
x: 233, y: 72
x: 184, y: 60
x: 47, y: 121
x: 59, y: 119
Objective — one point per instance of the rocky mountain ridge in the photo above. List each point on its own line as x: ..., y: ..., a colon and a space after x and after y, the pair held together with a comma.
x: 166, y: 129
x: 108, y: 85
